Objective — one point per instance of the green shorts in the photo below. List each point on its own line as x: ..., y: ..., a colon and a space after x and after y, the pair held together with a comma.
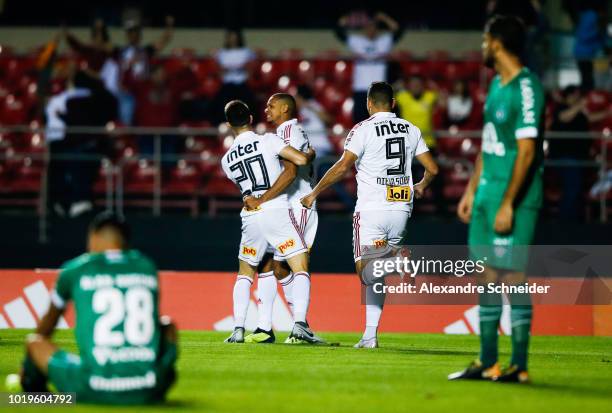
x: 68, y: 374
x: 508, y: 251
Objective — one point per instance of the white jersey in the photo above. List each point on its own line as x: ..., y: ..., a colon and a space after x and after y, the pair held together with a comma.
x: 253, y: 163
x: 385, y: 146
x: 293, y: 135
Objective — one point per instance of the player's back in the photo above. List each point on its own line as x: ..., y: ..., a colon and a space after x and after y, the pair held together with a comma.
x: 253, y: 163
x: 385, y: 146
x: 115, y: 296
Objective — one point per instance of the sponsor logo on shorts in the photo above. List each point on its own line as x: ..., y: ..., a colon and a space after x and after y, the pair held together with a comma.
x: 380, y: 243
x: 290, y: 243
x: 249, y: 251
x: 398, y: 193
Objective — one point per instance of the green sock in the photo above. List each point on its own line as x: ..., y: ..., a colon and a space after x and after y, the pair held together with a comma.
x: 490, y: 312
x: 520, y: 314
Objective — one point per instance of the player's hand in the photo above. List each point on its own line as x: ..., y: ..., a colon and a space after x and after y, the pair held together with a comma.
x: 307, y: 201
x: 464, y: 209
x: 251, y: 203
x: 419, y: 190
x: 503, y: 219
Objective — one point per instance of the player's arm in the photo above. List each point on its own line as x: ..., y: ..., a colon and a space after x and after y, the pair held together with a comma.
x: 526, y: 149
x: 278, y: 187
x: 464, y: 209
x: 297, y: 157
x: 431, y: 170
x: 340, y: 30
x: 46, y: 325
x: 388, y: 21
x: 333, y: 175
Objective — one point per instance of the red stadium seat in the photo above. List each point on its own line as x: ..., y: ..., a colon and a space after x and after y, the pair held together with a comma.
x: 305, y: 72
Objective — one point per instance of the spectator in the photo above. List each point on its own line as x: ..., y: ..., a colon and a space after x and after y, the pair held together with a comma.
x: 370, y: 50
x: 459, y: 104
x: 572, y: 115
x: 156, y: 106
x: 184, y: 84
x: 234, y: 59
x: 98, y: 55
x: 86, y: 102
x: 590, y: 40
x: 134, y: 61
x: 417, y: 105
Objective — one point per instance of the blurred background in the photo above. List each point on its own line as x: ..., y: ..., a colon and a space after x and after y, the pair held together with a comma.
x: 119, y: 105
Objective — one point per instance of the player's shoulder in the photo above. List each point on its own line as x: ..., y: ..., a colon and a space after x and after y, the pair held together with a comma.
x: 529, y: 79
x: 141, y: 259
x: 79, y: 262
x: 362, y: 126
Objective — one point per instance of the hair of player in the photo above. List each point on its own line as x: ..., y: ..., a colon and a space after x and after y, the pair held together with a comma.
x: 237, y: 113
x: 381, y: 94
x: 510, y: 31
x: 288, y: 100
x: 113, y: 223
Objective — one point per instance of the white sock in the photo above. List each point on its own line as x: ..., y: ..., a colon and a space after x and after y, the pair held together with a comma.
x: 242, y: 296
x: 287, y: 284
x: 374, y: 308
x: 301, y: 295
x: 266, y: 292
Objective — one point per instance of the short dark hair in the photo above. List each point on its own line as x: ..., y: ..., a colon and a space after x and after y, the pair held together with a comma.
x: 237, y: 113
x: 110, y: 221
x: 380, y: 93
x: 289, y: 100
x: 510, y: 31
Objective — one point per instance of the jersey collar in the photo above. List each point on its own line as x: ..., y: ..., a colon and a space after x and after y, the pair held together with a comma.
x: 384, y: 115
x: 286, y: 123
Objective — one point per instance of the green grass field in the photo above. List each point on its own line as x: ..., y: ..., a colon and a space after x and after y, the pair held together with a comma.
x: 408, y: 373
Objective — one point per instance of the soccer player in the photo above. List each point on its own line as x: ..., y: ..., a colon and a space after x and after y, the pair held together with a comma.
x: 253, y: 163
x: 504, y: 194
x: 281, y: 111
x: 126, y: 351
x: 382, y: 148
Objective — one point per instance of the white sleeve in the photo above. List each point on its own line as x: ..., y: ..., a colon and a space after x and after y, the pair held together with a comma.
x: 355, y: 141
x: 225, y: 168
x: 274, y: 143
x: 353, y: 43
x: 421, y: 146
x: 298, y: 139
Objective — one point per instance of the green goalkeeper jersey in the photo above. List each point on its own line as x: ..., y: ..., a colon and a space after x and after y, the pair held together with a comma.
x: 512, y: 111
x: 115, y: 296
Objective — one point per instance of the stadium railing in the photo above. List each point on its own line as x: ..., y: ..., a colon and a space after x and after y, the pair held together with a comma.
x: 127, y: 178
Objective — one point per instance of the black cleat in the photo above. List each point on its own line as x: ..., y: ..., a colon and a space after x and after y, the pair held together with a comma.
x: 512, y: 374
x: 476, y: 371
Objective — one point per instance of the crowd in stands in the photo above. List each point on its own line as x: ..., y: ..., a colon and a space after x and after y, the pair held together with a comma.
x: 145, y: 86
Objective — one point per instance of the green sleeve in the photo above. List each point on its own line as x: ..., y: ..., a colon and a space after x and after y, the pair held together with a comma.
x: 63, y: 288
x: 530, y: 101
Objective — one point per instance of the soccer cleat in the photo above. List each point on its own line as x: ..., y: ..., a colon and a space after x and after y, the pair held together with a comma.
x: 237, y: 336
x: 302, y: 334
x: 260, y: 336
x: 476, y: 371
x: 512, y: 374
x: 12, y: 384
x: 367, y: 343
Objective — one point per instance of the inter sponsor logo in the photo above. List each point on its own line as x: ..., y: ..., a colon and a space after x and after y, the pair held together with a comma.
x: 249, y: 251
x: 290, y: 243
x: 391, y: 128
x: 398, y: 193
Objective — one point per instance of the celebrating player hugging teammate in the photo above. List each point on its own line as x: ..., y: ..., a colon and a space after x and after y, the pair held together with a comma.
x: 382, y: 148
x: 253, y: 162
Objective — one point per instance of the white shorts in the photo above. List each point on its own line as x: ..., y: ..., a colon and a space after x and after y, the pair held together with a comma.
x: 273, y: 228
x: 378, y: 229
x: 307, y: 221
